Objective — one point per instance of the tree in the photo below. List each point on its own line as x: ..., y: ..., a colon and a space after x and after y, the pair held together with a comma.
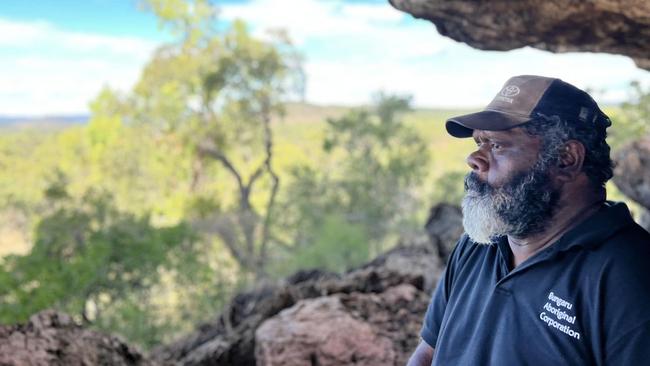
x: 93, y: 261
x: 633, y: 119
x: 212, y: 96
x: 377, y: 163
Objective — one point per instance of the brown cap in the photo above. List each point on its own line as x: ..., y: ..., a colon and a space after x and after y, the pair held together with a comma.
x: 524, y: 98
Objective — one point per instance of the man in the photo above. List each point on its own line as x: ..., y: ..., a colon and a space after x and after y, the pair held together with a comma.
x: 548, y: 272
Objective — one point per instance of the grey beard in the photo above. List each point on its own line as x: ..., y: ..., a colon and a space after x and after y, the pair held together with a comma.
x: 481, y: 220
x: 521, y: 207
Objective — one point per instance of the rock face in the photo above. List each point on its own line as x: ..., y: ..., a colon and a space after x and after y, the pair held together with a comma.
x: 230, y: 339
x: 51, y: 338
x: 610, y: 26
x: 358, y: 329
x: 444, y: 227
x: 632, y: 175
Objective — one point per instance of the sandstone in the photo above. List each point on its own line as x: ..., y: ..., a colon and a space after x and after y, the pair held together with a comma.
x: 344, y: 329
x: 52, y: 338
x: 632, y: 175
x: 609, y: 26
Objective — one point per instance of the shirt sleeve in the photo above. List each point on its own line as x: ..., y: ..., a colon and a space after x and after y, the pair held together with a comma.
x: 632, y: 348
x: 436, y: 310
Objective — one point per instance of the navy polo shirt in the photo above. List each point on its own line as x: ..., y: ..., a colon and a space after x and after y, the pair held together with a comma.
x: 585, y: 300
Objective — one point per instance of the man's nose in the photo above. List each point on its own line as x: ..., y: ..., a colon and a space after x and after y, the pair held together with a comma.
x: 477, y: 162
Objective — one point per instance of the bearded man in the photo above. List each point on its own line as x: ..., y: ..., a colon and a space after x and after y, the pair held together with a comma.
x: 548, y: 272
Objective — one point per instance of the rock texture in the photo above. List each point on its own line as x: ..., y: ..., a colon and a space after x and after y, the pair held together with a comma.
x: 444, y: 227
x: 632, y: 172
x: 51, y: 338
x: 610, y: 26
x: 632, y: 175
x: 344, y: 329
x: 230, y: 339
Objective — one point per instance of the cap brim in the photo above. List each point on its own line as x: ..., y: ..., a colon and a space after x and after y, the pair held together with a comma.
x: 489, y: 120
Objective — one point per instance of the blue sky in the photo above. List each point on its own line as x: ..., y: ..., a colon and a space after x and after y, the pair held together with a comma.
x: 56, y: 55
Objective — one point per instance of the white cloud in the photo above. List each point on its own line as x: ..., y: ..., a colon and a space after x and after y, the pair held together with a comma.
x: 351, y: 51
x: 471, y: 81
x: 373, y: 25
x: 28, y: 35
x: 354, y: 49
x: 48, y: 70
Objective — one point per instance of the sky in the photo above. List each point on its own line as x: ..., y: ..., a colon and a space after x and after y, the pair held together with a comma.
x: 55, y: 55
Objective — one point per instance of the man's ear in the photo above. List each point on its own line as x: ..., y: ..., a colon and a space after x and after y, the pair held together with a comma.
x: 571, y: 159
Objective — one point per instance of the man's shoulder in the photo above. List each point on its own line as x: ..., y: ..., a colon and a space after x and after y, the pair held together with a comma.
x: 622, y: 264
x: 630, y: 245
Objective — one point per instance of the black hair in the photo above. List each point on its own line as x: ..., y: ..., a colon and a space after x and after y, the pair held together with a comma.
x: 555, y: 132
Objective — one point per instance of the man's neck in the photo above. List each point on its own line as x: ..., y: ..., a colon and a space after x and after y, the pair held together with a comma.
x: 570, y: 213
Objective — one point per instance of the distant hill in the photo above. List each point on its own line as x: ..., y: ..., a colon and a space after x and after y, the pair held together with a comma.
x: 300, y: 113
x: 47, y: 122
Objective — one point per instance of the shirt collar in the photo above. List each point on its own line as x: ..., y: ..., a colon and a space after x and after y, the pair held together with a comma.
x: 591, y: 232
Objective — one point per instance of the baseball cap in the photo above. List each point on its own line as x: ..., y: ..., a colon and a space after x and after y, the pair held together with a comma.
x: 526, y: 97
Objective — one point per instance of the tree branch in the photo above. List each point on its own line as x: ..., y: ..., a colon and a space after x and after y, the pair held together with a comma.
x: 211, y: 151
x: 268, y: 142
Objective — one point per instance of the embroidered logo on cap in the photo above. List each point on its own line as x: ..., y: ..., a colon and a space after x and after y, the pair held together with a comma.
x: 510, y: 91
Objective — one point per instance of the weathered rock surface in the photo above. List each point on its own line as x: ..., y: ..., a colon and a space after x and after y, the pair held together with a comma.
x: 357, y: 328
x: 632, y: 175
x: 610, y: 26
x: 632, y: 172
x: 51, y: 338
x: 230, y: 340
x: 444, y: 227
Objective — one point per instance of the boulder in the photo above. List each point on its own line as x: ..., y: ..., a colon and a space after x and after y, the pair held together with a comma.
x: 344, y: 329
x: 230, y: 339
x: 632, y: 172
x: 632, y: 175
x: 444, y: 227
x: 52, y: 338
x: 619, y: 27
x: 309, y: 333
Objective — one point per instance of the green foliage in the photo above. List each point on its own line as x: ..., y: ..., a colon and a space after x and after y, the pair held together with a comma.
x: 376, y: 164
x: 212, y: 96
x: 93, y: 261
x: 338, y: 247
x: 449, y: 188
x: 633, y: 120
x: 382, y: 162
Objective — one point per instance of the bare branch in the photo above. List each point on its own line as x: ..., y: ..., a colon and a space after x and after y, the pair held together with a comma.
x: 205, y: 149
x: 268, y: 142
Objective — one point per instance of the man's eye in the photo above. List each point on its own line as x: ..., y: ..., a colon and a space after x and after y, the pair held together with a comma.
x: 495, y: 146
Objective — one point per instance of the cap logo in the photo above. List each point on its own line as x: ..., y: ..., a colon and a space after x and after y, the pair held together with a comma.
x: 510, y: 91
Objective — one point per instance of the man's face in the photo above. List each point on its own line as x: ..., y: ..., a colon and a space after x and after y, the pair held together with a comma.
x: 509, y: 191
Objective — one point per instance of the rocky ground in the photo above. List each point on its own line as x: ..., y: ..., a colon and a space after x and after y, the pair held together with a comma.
x: 51, y: 338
